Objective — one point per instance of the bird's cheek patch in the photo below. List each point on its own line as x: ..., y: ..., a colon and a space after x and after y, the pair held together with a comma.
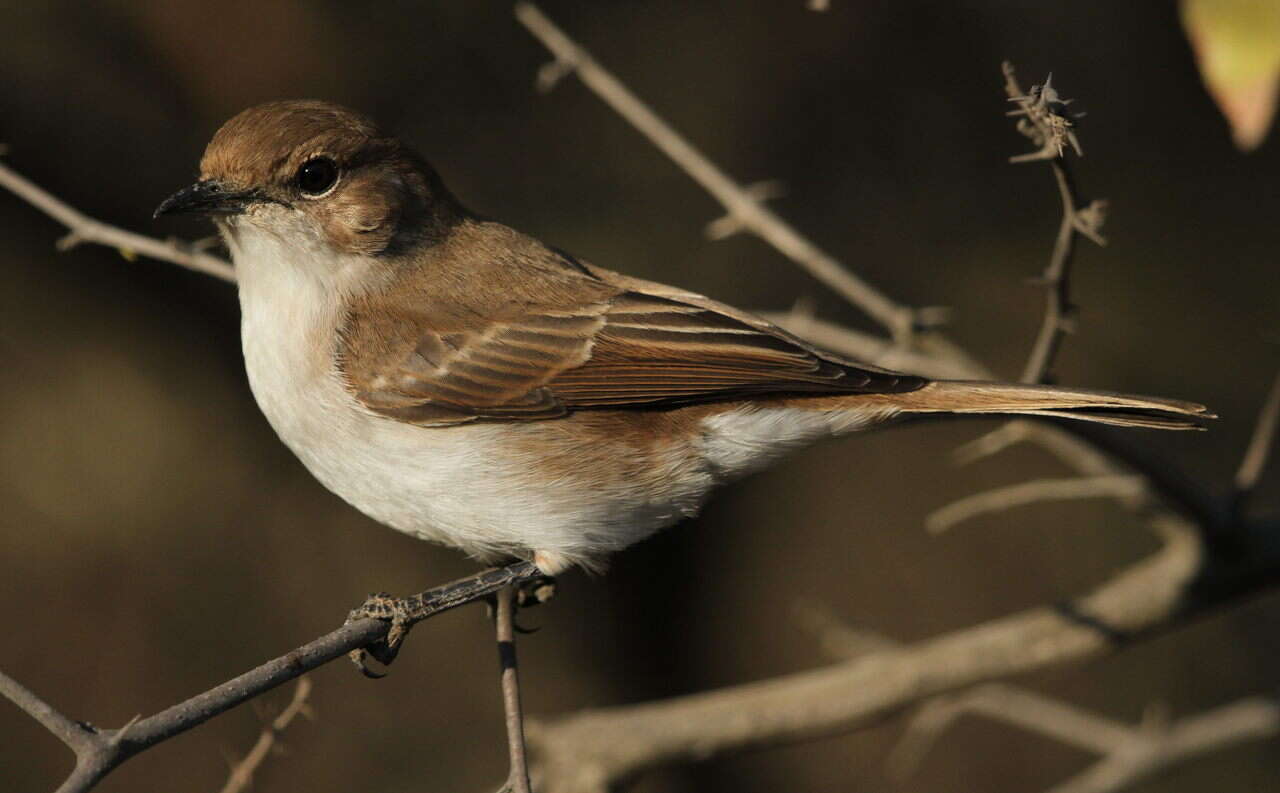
x: 361, y: 221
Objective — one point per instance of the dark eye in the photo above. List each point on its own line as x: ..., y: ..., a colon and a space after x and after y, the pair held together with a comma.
x: 316, y: 176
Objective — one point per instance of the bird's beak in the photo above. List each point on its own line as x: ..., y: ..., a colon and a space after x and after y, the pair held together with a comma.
x: 207, y: 197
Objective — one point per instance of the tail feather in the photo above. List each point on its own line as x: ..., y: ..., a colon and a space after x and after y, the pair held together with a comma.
x: 1103, y: 407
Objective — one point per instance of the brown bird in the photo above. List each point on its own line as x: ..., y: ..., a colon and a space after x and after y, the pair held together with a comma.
x: 467, y: 384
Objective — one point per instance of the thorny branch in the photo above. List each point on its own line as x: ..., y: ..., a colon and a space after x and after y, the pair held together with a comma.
x: 593, y: 750
x: 1043, y: 118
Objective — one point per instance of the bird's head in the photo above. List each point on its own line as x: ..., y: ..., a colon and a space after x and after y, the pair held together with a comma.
x: 315, y: 173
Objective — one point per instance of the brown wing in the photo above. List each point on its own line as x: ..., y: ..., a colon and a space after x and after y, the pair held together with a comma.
x: 628, y: 350
x: 656, y: 350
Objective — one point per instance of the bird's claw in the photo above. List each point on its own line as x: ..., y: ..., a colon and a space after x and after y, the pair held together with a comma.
x: 381, y: 606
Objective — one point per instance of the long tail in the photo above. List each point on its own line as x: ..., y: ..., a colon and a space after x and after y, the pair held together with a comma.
x: 1104, y: 407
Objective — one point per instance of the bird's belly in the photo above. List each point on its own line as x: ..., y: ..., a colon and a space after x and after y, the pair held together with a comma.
x: 491, y: 490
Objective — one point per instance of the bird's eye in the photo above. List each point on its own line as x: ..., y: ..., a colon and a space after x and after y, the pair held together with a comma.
x: 316, y: 176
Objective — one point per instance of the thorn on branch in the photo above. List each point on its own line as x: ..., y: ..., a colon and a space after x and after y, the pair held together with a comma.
x: 552, y: 72
x: 1043, y: 117
x: 68, y: 241
x: 730, y: 224
x: 1088, y: 221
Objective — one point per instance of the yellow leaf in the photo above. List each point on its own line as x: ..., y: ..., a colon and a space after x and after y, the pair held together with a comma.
x: 1237, y: 46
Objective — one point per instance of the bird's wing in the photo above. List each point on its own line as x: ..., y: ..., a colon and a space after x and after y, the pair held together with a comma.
x: 626, y: 348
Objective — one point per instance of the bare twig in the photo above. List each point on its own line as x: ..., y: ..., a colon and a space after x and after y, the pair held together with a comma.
x: 99, y: 751
x: 836, y: 637
x: 744, y: 208
x: 85, y: 229
x: 1043, y: 120
x: 504, y: 617
x: 865, y: 347
x: 1002, y: 498
x: 1129, y: 753
x: 241, y: 775
x: 1255, y: 457
x: 1151, y: 748
x: 1008, y: 703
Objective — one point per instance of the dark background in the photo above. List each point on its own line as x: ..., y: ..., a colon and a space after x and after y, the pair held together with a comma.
x: 156, y: 538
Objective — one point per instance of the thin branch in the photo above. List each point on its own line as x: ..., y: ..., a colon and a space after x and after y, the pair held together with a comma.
x: 1129, y: 753
x: 98, y: 751
x: 241, y: 775
x: 1043, y: 119
x: 1024, y: 493
x: 1256, y: 456
x: 504, y: 617
x: 1015, y: 705
x: 865, y: 347
x: 739, y: 203
x: 75, y: 735
x: 1148, y: 749
x: 83, y: 228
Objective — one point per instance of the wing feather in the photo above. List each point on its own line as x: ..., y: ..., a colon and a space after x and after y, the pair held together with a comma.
x: 631, y: 349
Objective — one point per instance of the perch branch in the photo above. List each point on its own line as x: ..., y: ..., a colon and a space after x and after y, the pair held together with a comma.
x: 99, y: 751
x: 82, y: 228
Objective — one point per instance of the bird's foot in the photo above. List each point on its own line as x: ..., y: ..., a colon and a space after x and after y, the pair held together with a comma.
x: 530, y: 593
x: 399, y: 612
x: 404, y: 613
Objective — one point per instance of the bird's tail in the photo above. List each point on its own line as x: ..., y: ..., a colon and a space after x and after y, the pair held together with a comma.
x: 1103, y: 407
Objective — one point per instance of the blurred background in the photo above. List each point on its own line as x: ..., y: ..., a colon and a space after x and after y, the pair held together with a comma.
x: 157, y: 539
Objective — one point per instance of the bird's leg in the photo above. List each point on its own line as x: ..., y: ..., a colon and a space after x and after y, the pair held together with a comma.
x: 505, y: 621
x: 404, y: 613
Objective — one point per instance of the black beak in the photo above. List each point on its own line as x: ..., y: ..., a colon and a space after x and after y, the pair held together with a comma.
x: 207, y: 198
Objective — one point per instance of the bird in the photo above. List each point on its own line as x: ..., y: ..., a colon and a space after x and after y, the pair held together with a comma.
x: 467, y: 384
